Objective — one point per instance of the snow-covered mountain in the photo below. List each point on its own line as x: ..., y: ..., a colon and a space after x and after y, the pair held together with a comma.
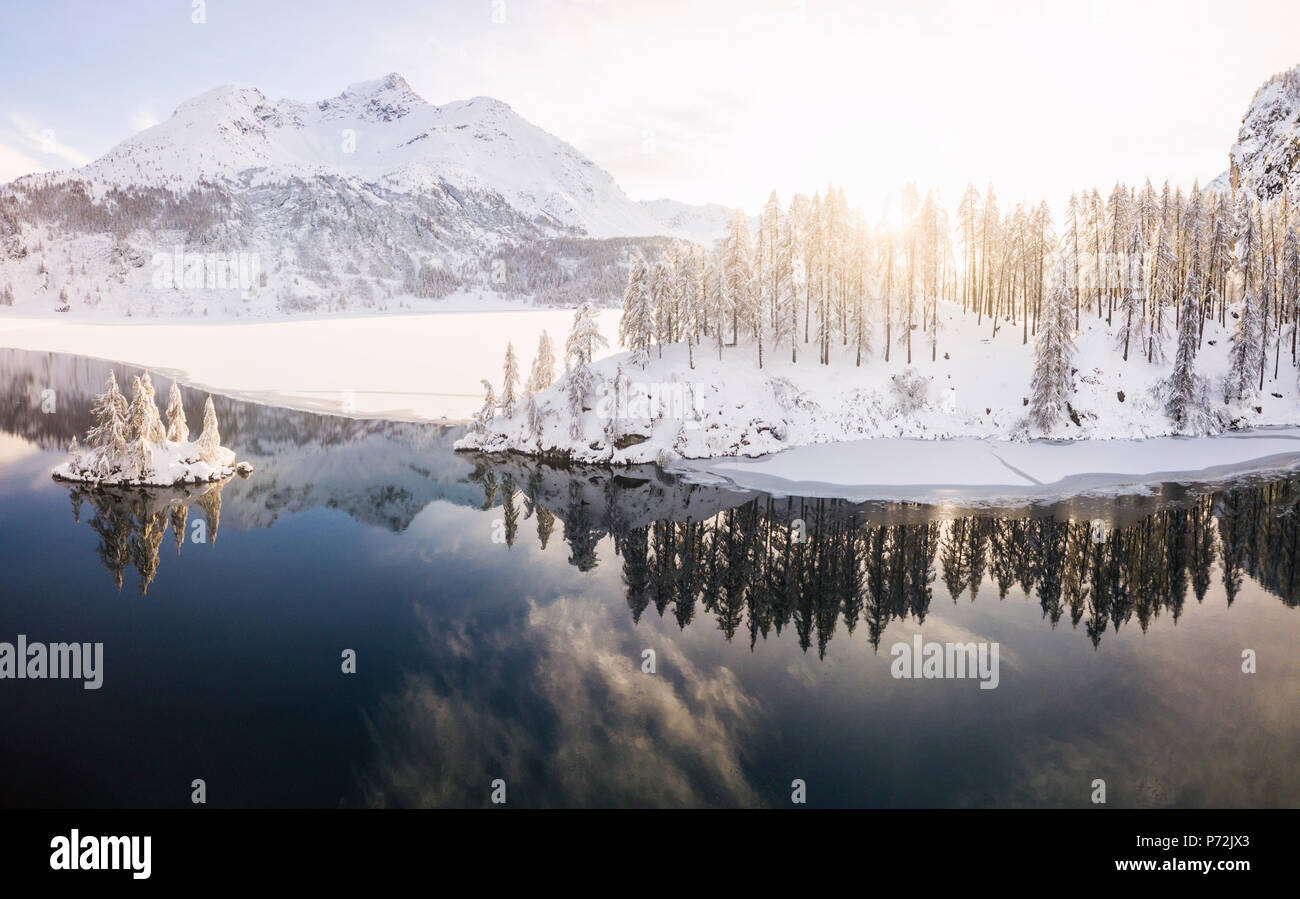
x: 703, y: 224
x: 382, y: 132
x: 1266, y: 157
x: 374, y: 198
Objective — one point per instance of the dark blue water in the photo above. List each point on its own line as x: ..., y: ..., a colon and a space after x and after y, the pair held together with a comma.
x: 500, y: 612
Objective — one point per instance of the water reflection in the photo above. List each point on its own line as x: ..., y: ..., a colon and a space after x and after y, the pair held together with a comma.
x: 132, y: 523
x: 748, y: 568
x: 692, y: 550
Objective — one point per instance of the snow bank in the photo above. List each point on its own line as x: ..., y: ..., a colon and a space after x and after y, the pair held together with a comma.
x: 170, y: 463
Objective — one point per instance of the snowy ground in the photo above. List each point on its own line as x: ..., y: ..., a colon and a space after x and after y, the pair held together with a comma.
x: 405, y: 367
x: 969, y: 470
x: 977, y: 386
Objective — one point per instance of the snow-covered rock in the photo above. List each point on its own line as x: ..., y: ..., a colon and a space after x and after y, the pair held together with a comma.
x: 1266, y: 157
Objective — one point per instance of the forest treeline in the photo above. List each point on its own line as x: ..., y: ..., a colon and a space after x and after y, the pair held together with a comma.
x: 814, y: 276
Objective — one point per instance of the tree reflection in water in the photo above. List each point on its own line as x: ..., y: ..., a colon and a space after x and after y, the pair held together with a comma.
x: 747, y: 568
x: 132, y: 521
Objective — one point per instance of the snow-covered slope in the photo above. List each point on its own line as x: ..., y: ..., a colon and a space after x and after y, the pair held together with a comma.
x: 1266, y: 157
x: 977, y: 387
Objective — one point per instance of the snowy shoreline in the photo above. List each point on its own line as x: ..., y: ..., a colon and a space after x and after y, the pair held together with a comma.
x: 981, y: 471
x: 425, y: 366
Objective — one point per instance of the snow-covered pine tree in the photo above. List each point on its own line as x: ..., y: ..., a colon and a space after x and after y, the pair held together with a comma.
x: 110, y: 432
x: 488, y: 410
x: 139, y: 452
x: 543, y: 373
x: 209, y: 442
x: 156, y: 432
x: 533, y: 412
x: 1133, y: 303
x: 1051, y: 386
x: 584, y: 337
x: 579, y: 381
x: 663, y: 290
x: 1182, y: 405
x: 510, y: 381
x: 584, y: 340
x: 1244, y: 349
x: 178, y: 429
x: 637, y: 324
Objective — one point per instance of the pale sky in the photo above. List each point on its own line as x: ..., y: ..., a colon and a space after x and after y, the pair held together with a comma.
x: 700, y: 101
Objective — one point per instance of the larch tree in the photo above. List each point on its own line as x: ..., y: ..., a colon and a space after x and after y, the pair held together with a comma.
x: 1163, y: 285
x: 1291, y: 282
x: 1182, y: 405
x: 1247, y: 337
x: 690, y: 270
x: 737, y: 266
x: 1133, y: 305
x: 766, y: 267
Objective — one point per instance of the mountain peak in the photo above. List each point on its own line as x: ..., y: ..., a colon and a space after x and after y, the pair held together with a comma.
x: 1266, y: 158
x: 379, y: 100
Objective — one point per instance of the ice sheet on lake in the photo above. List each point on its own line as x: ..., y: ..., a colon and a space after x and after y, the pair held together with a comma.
x: 939, y: 470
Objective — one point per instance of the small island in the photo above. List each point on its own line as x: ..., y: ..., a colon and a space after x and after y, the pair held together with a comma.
x: 128, y: 444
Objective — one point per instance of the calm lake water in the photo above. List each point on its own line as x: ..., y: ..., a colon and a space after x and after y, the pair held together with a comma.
x: 500, y: 613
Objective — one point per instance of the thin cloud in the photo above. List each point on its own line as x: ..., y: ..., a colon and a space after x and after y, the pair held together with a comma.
x: 142, y: 119
x: 46, y: 141
x: 15, y: 163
